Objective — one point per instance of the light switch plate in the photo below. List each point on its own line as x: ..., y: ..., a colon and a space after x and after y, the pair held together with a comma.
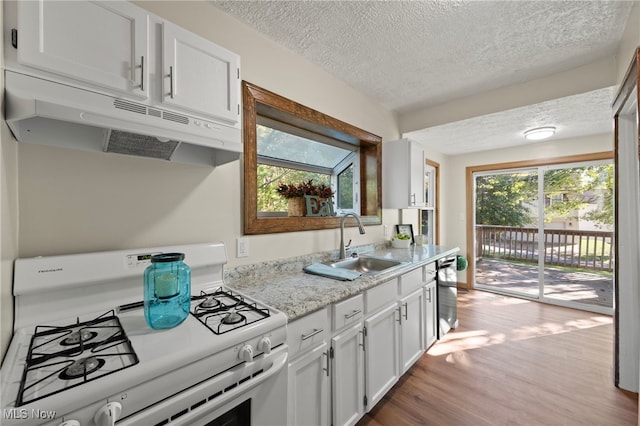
x: 242, y: 247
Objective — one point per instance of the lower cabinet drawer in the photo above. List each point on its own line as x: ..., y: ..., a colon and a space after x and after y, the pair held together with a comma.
x: 307, y: 332
x: 410, y: 282
x: 381, y: 295
x: 347, y: 312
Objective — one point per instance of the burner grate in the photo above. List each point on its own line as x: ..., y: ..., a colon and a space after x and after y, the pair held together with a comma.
x: 52, y: 352
x: 230, y: 311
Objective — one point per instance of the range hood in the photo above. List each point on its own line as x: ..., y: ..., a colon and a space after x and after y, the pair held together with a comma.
x: 49, y: 113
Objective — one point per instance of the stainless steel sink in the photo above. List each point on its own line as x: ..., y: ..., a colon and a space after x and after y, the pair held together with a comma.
x: 365, y: 264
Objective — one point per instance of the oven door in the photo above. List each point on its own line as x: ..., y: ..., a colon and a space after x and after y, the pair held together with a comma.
x: 231, y: 398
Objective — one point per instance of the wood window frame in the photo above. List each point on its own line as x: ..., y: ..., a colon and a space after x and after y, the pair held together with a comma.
x: 257, y: 100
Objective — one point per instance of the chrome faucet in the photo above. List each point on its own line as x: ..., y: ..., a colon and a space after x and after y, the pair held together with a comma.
x: 343, y: 253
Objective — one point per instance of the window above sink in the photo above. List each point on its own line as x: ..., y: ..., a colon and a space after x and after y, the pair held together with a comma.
x: 281, y: 138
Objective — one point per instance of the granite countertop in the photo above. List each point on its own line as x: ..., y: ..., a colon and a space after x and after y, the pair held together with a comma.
x: 285, y: 286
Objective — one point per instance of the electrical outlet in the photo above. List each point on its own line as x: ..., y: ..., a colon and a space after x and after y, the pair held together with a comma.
x: 242, y: 247
x: 386, y: 231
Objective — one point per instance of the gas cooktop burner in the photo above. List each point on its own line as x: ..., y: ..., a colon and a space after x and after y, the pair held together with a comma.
x: 61, y: 358
x: 223, y: 310
x: 232, y: 318
x: 210, y: 302
x: 81, y: 367
x: 78, y: 336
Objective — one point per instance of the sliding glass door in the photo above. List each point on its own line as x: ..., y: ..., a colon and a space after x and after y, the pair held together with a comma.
x: 578, y: 232
x: 545, y: 233
x: 506, y: 232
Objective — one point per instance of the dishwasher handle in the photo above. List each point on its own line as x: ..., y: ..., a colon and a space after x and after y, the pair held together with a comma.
x: 446, y: 263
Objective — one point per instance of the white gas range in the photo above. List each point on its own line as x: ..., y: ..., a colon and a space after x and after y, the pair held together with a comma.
x: 82, y: 353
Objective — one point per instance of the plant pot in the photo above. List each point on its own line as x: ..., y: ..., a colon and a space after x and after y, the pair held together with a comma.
x: 296, y: 206
x: 400, y: 243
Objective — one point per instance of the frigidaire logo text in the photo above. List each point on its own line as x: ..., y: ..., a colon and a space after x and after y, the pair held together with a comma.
x: 42, y: 271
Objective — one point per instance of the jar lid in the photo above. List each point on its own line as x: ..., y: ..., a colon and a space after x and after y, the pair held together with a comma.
x: 167, y: 257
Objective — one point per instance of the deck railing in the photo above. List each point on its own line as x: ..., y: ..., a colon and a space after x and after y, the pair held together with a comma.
x: 576, y: 249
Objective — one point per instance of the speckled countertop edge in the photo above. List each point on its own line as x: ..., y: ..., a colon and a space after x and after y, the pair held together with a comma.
x: 283, y: 285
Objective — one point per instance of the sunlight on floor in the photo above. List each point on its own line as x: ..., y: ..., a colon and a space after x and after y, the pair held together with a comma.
x: 455, y: 341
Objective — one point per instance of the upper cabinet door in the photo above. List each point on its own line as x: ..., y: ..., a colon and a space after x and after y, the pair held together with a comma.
x: 100, y: 43
x: 416, y: 175
x: 199, y: 76
x: 403, y: 175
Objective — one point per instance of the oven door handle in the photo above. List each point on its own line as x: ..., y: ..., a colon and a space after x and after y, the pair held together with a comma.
x: 277, y: 364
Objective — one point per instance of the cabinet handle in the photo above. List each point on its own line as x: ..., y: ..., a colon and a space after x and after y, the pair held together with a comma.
x: 142, y: 73
x: 429, y: 295
x: 353, y: 314
x: 313, y: 333
x: 399, y: 315
x: 171, y: 82
x: 406, y: 312
x: 362, y: 340
x: 326, y: 354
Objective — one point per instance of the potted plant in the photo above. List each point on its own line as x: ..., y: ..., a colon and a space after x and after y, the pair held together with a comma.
x: 295, y: 193
x: 401, y: 241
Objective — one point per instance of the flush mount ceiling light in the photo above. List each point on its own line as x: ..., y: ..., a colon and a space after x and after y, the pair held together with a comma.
x: 539, y: 133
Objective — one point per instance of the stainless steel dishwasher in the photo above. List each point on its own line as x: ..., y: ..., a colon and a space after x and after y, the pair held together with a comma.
x: 447, y: 281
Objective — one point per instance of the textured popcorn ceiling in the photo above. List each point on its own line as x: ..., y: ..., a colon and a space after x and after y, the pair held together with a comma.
x: 574, y: 116
x: 415, y: 54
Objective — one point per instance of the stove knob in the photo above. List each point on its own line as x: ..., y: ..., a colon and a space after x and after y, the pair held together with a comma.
x: 70, y: 423
x: 107, y: 415
x: 246, y: 353
x: 265, y: 345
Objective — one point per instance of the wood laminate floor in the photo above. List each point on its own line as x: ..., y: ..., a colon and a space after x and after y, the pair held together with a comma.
x: 512, y: 362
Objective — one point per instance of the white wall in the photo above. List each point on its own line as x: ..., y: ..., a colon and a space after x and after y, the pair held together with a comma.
x: 72, y: 201
x: 630, y: 41
x: 8, y: 219
x: 628, y: 309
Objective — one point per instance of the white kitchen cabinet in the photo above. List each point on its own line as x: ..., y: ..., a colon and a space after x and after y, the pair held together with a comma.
x: 309, y: 388
x: 347, y: 375
x: 117, y: 46
x: 411, y: 329
x: 308, y: 391
x: 381, y: 353
x: 199, y: 76
x: 430, y: 314
x: 403, y: 175
x: 101, y: 43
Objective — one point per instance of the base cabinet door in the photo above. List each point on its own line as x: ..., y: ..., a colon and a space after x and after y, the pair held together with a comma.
x: 381, y: 353
x: 430, y: 314
x: 411, y: 329
x: 309, y: 388
x: 347, y: 376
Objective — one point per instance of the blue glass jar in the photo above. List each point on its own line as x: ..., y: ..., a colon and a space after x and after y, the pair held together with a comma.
x: 167, y: 290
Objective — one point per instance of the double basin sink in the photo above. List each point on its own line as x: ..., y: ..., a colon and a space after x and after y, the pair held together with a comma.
x: 368, y: 265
